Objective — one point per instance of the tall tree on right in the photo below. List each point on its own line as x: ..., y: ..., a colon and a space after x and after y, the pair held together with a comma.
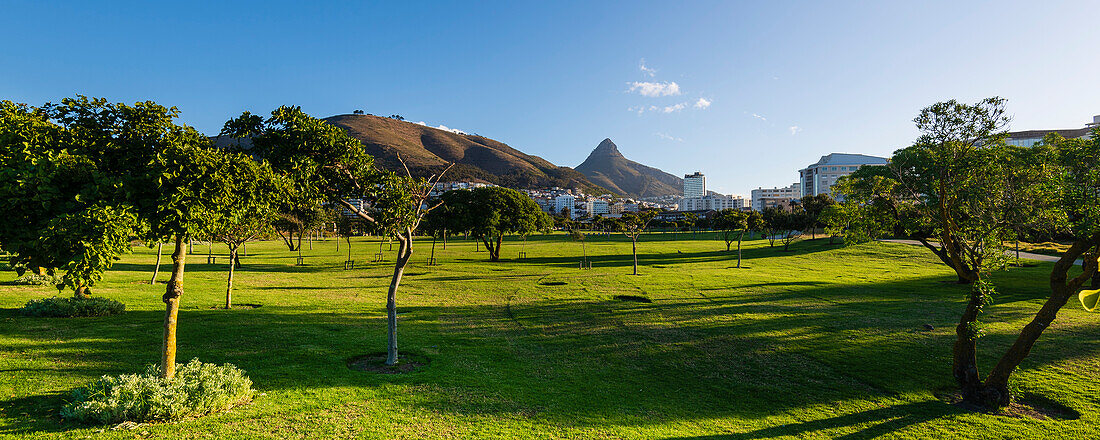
x: 959, y: 191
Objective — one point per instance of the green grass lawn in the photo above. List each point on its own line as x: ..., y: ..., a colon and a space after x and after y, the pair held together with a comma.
x: 819, y: 342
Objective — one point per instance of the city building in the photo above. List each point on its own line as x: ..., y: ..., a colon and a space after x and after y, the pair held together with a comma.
x: 775, y: 197
x: 596, y: 207
x: 1031, y: 137
x: 695, y: 185
x: 819, y: 177
x: 565, y: 201
x: 716, y: 202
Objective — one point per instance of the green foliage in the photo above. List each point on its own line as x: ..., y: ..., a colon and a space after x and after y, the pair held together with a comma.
x: 197, y: 389
x: 34, y: 279
x: 491, y: 212
x: 57, y: 307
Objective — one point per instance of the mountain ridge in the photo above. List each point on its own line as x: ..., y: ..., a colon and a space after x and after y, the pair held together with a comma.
x: 608, y: 167
x: 427, y: 150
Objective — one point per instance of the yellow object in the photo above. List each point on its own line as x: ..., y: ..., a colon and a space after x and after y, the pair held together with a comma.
x: 1089, y: 299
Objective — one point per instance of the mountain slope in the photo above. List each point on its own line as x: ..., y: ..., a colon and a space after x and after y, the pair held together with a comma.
x: 607, y: 167
x: 428, y: 150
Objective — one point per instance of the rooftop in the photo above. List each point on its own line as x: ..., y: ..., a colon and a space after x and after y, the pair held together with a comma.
x: 850, y: 159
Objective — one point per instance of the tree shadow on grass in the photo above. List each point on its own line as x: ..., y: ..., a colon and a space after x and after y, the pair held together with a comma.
x: 590, y: 362
x: 882, y: 421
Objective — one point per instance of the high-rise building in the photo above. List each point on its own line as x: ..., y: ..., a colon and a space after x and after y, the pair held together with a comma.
x: 695, y: 185
x: 775, y: 197
x: 819, y: 177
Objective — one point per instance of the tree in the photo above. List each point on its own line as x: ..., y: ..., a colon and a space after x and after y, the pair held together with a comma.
x: 960, y: 191
x: 771, y: 222
x: 579, y: 237
x: 248, y: 210
x: 756, y: 222
x: 632, y: 225
x: 326, y: 165
x: 813, y: 206
x: 732, y: 224
x: 491, y: 212
x: 62, y: 209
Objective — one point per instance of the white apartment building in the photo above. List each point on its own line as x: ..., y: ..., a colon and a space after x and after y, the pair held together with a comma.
x: 695, y: 185
x: 819, y: 177
x: 715, y: 202
x: 775, y: 197
x: 565, y: 201
x: 597, y: 207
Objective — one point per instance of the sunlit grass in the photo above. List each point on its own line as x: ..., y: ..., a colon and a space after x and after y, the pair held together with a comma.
x: 820, y: 342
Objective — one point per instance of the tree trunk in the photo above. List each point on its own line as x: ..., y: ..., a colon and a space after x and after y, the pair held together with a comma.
x: 404, y: 253
x: 432, y: 257
x: 299, y: 243
x: 237, y: 260
x: 739, y: 237
x: 156, y: 267
x: 996, y: 390
x: 349, y: 247
x: 964, y: 365
x: 81, y: 292
x: 172, y: 293
x: 634, y: 250
x: 311, y: 239
x: 444, y: 238
x: 229, y: 283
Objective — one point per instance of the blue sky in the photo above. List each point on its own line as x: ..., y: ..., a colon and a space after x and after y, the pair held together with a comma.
x: 761, y: 88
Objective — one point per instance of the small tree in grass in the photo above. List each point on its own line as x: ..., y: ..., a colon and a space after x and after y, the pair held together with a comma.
x: 248, y: 210
x: 813, y: 206
x: 326, y: 165
x: 579, y: 237
x: 632, y: 225
x: 732, y: 224
x: 489, y: 213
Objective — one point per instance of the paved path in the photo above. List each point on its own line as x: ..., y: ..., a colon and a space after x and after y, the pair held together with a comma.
x: 1011, y: 253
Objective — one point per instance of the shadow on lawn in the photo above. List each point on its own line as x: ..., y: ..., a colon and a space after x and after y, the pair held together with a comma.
x: 750, y: 353
x: 647, y: 260
x: 891, y: 419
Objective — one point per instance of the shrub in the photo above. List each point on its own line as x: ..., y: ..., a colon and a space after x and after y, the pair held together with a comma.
x: 33, y: 279
x: 198, y: 389
x: 72, y: 307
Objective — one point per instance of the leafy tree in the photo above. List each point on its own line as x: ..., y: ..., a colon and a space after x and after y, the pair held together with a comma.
x: 813, y: 206
x: 326, y: 165
x: 491, y: 212
x: 249, y: 208
x: 960, y: 191
x: 756, y: 222
x: 579, y: 237
x: 732, y: 224
x: 632, y: 225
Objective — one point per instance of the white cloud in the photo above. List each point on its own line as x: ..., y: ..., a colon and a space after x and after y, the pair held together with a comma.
x: 794, y: 129
x: 674, y: 108
x: 759, y: 117
x: 452, y: 130
x: 646, y: 70
x: 668, y: 137
x: 702, y: 103
x: 441, y: 127
x: 655, y: 89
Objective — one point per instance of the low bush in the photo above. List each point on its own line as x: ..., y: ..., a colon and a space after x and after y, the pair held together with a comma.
x: 198, y: 389
x: 58, y: 307
x: 33, y: 279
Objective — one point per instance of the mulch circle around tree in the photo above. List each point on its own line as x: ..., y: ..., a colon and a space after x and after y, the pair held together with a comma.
x: 376, y: 363
x: 1028, y: 405
x: 633, y: 298
x: 239, y: 306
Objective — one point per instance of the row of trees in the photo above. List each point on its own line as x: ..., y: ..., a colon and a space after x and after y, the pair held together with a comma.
x: 963, y: 193
x: 80, y: 179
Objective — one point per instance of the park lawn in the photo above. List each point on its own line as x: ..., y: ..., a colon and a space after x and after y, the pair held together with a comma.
x: 823, y: 341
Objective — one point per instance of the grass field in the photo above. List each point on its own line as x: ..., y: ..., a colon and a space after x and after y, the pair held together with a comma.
x: 819, y: 342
